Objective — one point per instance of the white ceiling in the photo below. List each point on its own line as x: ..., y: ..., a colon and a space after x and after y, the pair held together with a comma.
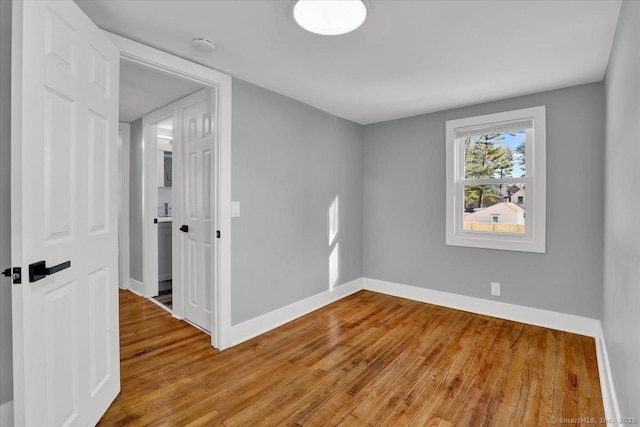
x: 143, y: 90
x: 408, y: 58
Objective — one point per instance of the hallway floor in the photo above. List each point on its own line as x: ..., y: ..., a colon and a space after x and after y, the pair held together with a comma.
x: 165, y: 293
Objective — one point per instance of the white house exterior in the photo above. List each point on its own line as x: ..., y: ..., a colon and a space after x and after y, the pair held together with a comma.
x: 518, y: 198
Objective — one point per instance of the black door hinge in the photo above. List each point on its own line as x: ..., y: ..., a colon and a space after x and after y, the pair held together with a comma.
x: 218, y: 234
x: 15, y: 273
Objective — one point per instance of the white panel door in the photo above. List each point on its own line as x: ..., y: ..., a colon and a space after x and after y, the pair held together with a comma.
x: 196, y: 213
x: 64, y: 209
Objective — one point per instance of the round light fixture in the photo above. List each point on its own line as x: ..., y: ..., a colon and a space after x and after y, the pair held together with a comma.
x: 203, y: 44
x: 329, y: 17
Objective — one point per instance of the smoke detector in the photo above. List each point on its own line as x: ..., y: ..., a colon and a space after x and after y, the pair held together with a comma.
x: 203, y: 44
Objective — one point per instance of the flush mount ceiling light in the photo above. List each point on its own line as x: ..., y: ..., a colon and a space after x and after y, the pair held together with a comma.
x: 329, y: 17
x: 203, y: 44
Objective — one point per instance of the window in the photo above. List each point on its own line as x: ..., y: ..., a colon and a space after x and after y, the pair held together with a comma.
x: 494, y: 163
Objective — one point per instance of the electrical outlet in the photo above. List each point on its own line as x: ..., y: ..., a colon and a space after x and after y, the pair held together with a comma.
x: 495, y: 289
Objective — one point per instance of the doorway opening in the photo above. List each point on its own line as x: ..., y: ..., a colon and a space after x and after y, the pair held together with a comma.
x: 152, y: 102
x: 165, y: 202
x: 173, y: 131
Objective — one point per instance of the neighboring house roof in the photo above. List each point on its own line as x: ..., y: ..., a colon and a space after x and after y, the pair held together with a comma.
x: 513, y: 206
x: 504, y: 208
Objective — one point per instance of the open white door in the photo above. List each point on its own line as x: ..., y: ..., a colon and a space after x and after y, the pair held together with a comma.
x: 64, y: 209
x: 195, y: 210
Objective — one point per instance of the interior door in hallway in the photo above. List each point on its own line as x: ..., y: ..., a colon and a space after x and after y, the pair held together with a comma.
x: 64, y: 238
x: 196, y: 246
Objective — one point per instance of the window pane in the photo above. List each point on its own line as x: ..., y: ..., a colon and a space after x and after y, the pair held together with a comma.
x: 497, y: 208
x: 495, y: 155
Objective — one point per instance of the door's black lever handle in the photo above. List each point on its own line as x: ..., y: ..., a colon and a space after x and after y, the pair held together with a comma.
x: 39, y: 270
x: 184, y: 228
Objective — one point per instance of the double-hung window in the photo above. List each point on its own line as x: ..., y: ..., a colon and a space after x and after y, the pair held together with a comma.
x: 496, y: 181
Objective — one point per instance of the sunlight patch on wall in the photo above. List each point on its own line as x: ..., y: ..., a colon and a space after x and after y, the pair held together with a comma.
x: 333, y: 221
x: 334, y: 257
x: 334, y: 266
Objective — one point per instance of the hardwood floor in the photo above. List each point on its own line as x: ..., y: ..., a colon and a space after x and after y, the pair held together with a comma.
x: 369, y: 359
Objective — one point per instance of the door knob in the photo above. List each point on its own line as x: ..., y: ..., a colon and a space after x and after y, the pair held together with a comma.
x: 184, y: 228
x: 39, y: 270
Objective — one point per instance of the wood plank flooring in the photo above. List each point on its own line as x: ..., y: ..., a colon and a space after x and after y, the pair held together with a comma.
x: 369, y: 359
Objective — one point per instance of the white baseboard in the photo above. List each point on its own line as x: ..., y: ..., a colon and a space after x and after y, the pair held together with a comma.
x: 163, y: 277
x: 136, y: 287
x: 259, y: 325
x: 6, y: 414
x: 609, y: 398
x: 518, y: 313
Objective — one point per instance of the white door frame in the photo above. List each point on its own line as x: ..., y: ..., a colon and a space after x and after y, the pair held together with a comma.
x: 124, y: 148
x: 159, y: 60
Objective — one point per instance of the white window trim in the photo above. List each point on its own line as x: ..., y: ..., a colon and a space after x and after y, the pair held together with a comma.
x: 534, y: 239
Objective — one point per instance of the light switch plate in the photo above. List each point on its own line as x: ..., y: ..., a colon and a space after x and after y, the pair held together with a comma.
x: 235, y: 209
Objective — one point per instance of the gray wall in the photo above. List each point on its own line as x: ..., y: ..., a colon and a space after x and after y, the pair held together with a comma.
x: 289, y: 162
x: 404, y: 208
x: 6, y: 369
x: 621, y: 306
x: 135, y: 202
